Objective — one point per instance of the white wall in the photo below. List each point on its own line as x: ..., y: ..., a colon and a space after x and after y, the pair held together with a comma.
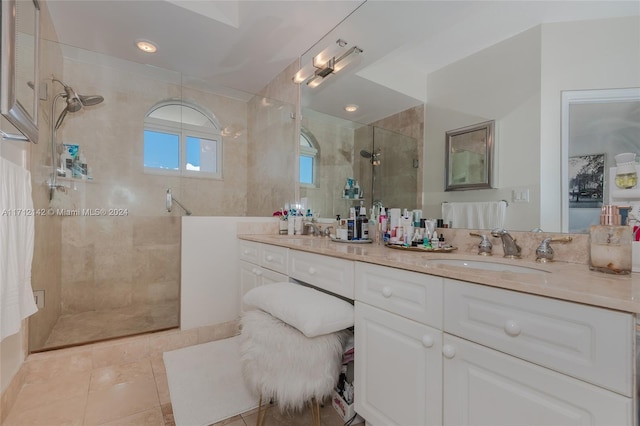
x: 500, y: 83
x: 210, y: 293
x: 602, y: 54
x: 518, y: 82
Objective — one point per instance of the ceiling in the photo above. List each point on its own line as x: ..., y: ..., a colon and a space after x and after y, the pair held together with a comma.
x: 244, y: 44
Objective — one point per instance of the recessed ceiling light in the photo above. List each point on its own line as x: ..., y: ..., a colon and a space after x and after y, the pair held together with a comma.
x: 351, y: 108
x: 146, y: 46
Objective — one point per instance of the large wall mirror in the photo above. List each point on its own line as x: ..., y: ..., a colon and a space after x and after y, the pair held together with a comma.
x: 458, y: 76
x: 19, y: 65
x: 597, y: 125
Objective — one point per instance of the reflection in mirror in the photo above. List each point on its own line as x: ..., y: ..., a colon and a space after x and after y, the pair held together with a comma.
x: 469, y: 157
x: 515, y: 75
x: 597, y: 125
x: 19, y: 65
x: 385, y: 163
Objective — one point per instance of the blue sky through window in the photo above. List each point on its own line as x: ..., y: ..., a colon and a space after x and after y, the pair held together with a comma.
x: 161, y: 150
x: 306, y: 169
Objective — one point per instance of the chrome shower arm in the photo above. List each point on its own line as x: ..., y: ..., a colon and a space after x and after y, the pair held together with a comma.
x: 171, y: 199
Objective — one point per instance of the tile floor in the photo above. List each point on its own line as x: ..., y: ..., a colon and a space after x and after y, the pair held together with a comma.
x: 121, y: 382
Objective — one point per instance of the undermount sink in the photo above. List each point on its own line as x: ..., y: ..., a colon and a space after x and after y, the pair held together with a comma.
x: 485, y: 266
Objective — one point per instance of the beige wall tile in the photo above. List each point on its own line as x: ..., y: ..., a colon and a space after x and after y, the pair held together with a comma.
x: 172, y: 340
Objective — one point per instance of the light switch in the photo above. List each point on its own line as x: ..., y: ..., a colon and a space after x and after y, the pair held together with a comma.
x: 520, y: 195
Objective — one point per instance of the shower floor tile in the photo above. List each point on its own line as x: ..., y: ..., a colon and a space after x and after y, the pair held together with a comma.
x: 94, y: 326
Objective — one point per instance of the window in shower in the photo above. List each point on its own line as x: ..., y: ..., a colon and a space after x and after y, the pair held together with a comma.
x: 181, y: 138
x: 308, y: 154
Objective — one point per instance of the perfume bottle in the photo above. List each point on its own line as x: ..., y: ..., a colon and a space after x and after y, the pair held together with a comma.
x: 626, y: 174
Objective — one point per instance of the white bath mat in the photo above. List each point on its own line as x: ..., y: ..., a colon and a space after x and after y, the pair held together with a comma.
x: 205, y: 383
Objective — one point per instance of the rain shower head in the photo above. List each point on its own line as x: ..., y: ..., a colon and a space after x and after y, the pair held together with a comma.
x: 374, y: 156
x: 75, y: 102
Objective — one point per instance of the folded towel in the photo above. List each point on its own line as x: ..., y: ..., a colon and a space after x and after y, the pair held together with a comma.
x: 16, y: 247
x: 475, y: 215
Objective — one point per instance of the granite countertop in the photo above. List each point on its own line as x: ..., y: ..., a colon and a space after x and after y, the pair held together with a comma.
x: 562, y: 280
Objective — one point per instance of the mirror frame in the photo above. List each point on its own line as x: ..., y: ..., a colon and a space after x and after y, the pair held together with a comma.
x: 10, y: 106
x: 457, y: 136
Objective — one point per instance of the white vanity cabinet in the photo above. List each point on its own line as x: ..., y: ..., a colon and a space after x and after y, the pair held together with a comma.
x: 483, y: 386
x: 520, y: 359
x: 398, y: 358
x: 260, y: 264
x: 328, y: 273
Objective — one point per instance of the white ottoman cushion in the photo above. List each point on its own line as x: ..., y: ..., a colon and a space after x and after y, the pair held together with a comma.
x: 312, y: 312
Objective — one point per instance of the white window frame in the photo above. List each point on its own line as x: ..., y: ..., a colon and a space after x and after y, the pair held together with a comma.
x: 183, y: 130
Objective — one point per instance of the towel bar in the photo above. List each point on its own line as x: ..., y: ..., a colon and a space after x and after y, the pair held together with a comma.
x: 505, y: 202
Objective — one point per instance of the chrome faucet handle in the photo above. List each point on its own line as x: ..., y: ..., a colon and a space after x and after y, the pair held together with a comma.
x: 511, y: 249
x: 544, y: 252
x: 485, y: 246
x: 327, y: 231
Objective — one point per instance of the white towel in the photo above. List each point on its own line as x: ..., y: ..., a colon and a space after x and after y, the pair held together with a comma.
x: 475, y: 215
x: 16, y: 247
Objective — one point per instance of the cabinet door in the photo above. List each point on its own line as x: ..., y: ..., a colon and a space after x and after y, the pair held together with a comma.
x: 248, y: 279
x: 486, y: 387
x: 398, y: 369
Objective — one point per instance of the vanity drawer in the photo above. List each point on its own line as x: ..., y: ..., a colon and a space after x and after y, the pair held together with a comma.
x: 409, y: 294
x: 274, y: 258
x: 328, y: 273
x: 249, y: 251
x: 589, y: 343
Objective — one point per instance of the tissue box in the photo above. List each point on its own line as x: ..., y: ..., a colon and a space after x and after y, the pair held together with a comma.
x: 346, y: 411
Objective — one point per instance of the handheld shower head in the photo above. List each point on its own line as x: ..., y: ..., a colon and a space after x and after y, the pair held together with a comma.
x: 75, y: 102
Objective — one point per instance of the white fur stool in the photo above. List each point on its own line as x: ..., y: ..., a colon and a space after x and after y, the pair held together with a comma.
x: 287, y: 353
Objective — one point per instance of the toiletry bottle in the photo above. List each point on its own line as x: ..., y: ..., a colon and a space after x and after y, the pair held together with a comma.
x: 290, y: 225
x: 356, y: 190
x: 441, y: 241
x: 435, y: 241
x: 364, y: 224
x: 351, y: 228
x: 66, y: 162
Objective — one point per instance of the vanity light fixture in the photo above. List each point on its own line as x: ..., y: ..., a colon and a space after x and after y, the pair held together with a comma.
x: 327, y: 62
x: 146, y: 46
x: 351, y: 108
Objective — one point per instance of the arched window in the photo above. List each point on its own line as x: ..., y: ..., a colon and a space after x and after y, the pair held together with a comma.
x: 308, y: 154
x: 182, y: 138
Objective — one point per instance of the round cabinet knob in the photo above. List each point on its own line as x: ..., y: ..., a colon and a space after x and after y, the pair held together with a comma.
x: 427, y: 341
x: 448, y: 351
x: 245, y: 251
x: 269, y: 258
x: 386, y: 291
x: 511, y: 328
x: 258, y: 272
x: 312, y: 270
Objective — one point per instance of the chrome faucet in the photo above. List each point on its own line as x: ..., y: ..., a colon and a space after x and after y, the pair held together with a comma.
x: 511, y: 249
x: 315, y: 231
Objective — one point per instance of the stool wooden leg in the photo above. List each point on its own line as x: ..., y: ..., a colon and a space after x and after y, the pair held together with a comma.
x: 315, y: 412
x: 262, y: 413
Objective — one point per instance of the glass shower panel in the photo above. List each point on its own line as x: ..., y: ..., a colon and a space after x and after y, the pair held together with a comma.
x: 116, y: 264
